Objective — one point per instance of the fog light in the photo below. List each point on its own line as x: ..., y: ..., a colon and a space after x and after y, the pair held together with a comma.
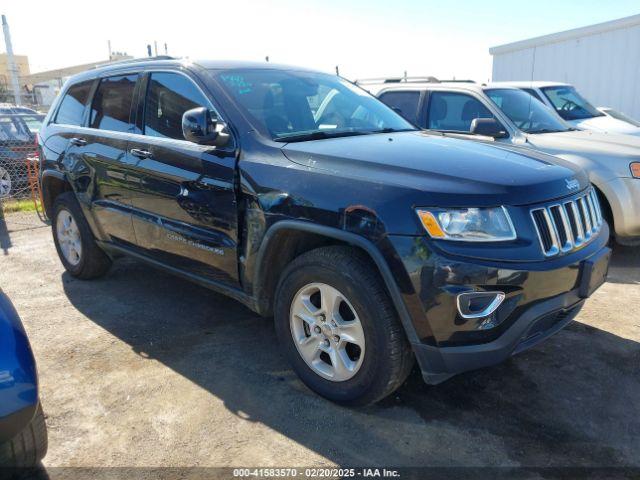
x: 478, y: 304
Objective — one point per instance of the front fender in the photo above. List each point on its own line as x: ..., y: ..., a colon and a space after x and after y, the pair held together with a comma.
x: 343, y: 236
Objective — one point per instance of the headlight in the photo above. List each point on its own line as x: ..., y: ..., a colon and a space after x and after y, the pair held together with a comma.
x: 635, y: 169
x: 468, y: 224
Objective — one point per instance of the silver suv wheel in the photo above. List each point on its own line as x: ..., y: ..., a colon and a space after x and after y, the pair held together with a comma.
x: 327, y: 332
x: 69, y: 237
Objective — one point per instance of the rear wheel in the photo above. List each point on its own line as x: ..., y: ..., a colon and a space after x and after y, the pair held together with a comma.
x: 28, y: 447
x: 338, y: 327
x: 74, y: 241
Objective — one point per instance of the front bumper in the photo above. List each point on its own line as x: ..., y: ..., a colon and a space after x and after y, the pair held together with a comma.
x: 534, y: 326
x: 540, y: 299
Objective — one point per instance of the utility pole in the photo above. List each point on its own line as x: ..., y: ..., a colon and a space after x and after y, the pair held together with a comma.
x: 13, y: 70
x: 155, y: 48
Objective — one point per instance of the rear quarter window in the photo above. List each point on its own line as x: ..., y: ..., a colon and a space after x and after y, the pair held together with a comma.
x: 73, y: 104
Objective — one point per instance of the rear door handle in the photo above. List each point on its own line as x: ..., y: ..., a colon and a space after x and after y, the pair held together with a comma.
x: 136, y: 152
x: 78, y: 142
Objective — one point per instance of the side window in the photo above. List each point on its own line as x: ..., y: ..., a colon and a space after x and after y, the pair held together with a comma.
x: 533, y: 93
x: 454, y: 112
x: 403, y: 102
x: 73, y: 104
x: 169, y: 95
x: 111, y: 108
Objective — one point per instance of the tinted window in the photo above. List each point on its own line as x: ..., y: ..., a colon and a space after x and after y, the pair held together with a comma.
x: 405, y: 103
x: 454, y: 112
x: 72, y: 105
x: 111, y: 106
x: 33, y: 122
x: 12, y: 128
x: 169, y: 95
x: 300, y: 106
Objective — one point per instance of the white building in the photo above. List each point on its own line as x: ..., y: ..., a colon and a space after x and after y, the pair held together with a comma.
x: 602, y: 61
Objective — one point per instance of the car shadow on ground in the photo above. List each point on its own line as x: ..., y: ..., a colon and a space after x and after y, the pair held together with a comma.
x: 570, y: 401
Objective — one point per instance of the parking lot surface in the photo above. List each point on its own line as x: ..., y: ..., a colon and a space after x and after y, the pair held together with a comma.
x: 141, y: 368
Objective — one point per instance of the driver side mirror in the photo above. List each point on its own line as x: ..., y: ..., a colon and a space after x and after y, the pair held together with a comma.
x: 488, y: 127
x: 198, y: 126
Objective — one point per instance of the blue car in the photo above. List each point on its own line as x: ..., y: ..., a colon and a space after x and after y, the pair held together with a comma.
x: 23, y: 432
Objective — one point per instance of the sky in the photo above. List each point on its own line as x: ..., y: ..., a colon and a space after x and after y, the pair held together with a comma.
x: 365, y: 38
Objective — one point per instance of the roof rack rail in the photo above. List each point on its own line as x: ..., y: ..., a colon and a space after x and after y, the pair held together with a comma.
x: 425, y: 79
x: 137, y: 60
x: 457, y: 81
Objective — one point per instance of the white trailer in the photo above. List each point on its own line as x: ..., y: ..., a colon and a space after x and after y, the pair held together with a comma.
x: 602, y: 61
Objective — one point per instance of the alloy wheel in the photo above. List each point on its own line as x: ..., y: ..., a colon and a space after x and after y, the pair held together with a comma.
x: 69, y: 237
x: 327, y: 332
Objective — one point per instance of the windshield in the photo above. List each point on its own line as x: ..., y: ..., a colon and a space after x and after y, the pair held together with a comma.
x: 569, y: 104
x: 527, y: 113
x: 298, y: 106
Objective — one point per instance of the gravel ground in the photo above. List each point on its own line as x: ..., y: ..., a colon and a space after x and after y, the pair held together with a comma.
x: 144, y: 369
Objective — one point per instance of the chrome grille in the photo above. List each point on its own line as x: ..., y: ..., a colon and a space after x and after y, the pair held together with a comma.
x: 569, y: 224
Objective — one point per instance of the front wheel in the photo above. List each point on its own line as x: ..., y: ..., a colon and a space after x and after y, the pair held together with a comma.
x: 28, y: 447
x: 5, y: 182
x: 338, y: 327
x: 74, y: 240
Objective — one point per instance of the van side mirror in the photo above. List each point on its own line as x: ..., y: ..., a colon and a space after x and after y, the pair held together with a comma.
x: 488, y: 127
x: 198, y: 126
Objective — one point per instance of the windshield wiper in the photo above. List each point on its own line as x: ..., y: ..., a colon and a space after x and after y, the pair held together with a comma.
x: 393, y: 130
x: 322, y: 134
x: 317, y: 135
x: 547, y: 130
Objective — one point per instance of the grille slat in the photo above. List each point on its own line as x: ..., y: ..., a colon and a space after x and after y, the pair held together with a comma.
x: 586, y: 219
x: 566, y: 226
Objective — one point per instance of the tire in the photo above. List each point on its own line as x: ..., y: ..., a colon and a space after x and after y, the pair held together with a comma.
x: 28, y: 447
x: 5, y: 182
x: 385, y: 359
x: 88, y: 261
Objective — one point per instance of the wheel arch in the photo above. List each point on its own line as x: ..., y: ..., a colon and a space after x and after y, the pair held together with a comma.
x: 287, y: 239
x: 607, y: 212
x: 53, y: 184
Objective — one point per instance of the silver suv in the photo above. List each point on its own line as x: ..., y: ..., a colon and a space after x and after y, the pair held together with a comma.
x: 497, y: 113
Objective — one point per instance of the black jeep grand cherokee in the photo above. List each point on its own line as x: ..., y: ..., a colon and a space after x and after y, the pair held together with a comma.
x: 302, y: 196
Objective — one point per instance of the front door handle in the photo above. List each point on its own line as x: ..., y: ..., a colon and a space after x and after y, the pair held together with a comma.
x: 136, y: 152
x: 78, y: 142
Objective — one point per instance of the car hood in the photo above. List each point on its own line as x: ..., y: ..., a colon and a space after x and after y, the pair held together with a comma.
x: 610, y: 151
x: 449, y: 171
x: 606, y: 124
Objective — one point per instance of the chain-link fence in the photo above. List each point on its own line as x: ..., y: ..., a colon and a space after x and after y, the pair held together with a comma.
x: 20, y: 198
